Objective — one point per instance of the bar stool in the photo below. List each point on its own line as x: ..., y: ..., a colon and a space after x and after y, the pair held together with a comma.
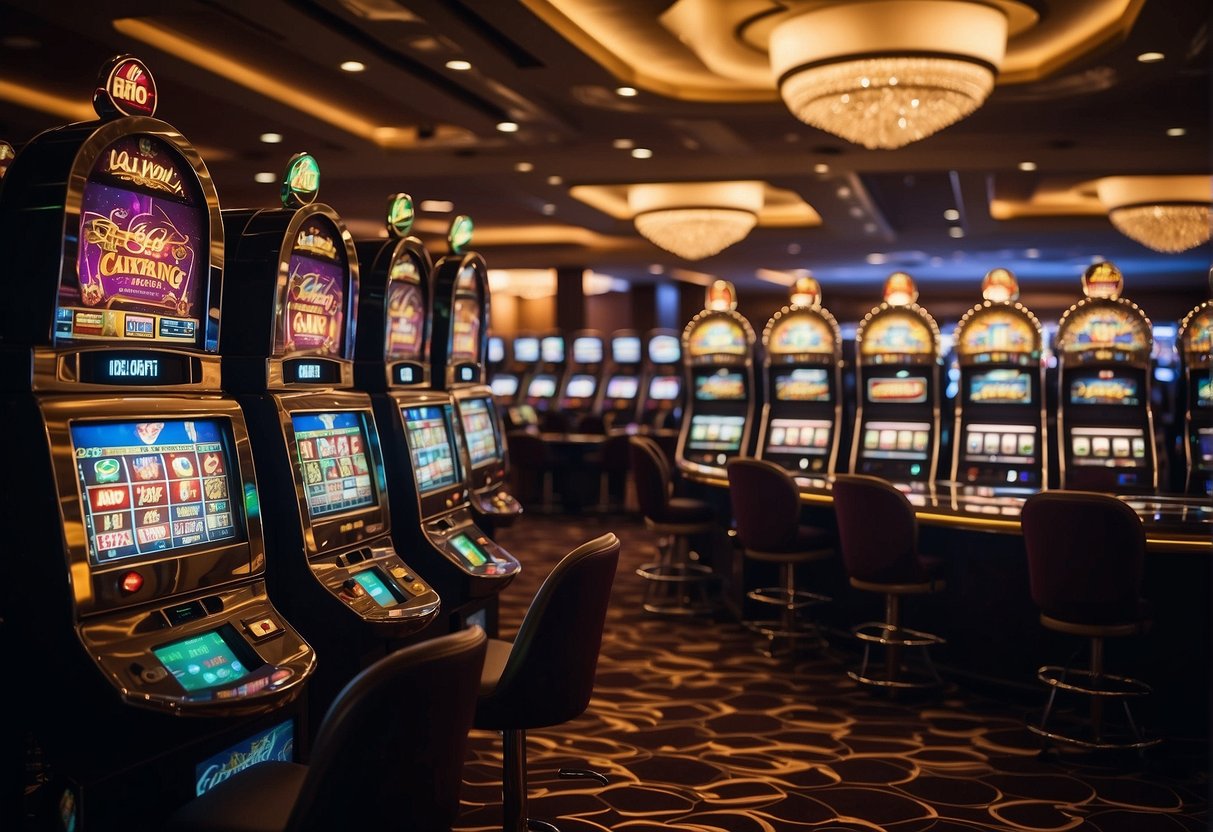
x: 766, y: 508
x: 546, y: 675
x: 530, y: 457
x: 1085, y: 559
x: 878, y: 533
x: 392, y: 745
x: 676, y: 583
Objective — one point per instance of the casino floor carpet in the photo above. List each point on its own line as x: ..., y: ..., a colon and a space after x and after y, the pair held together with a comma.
x: 697, y: 731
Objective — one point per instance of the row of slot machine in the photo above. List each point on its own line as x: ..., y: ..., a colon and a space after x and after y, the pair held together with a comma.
x: 210, y: 409
x: 784, y: 402
x: 625, y: 381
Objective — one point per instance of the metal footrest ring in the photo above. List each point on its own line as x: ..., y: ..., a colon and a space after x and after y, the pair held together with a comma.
x: 674, y: 572
x: 778, y: 596
x: 878, y: 632
x: 1103, y: 684
x: 1135, y: 744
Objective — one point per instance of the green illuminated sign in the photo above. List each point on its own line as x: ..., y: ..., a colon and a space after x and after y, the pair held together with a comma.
x: 400, y: 214
x: 301, y: 182
x: 460, y: 235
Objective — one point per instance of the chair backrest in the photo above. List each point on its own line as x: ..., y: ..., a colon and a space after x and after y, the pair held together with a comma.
x: 877, y: 530
x: 549, y: 675
x: 766, y: 504
x: 1086, y: 554
x: 527, y: 450
x: 393, y: 743
x: 651, y: 475
x: 616, y: 453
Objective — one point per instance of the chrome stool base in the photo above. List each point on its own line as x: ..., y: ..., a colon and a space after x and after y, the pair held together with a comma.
x: 893, y: 638
x: 676, y: 584
x: 795, y: 632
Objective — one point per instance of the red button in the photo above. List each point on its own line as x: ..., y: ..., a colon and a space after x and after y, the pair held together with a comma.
x: 132, y: 582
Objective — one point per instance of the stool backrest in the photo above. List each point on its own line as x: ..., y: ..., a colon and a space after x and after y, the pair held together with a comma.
x: 1086, y: 553
x: 766, y: 504
x: 651, y: 475
x: 549, y: 675
x: 393, y: 743
x: 877, y: 530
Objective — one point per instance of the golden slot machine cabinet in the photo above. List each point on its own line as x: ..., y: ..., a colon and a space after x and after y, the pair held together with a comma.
x: 1196, y: 351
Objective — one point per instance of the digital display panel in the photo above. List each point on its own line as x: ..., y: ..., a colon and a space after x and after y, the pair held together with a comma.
x: 896, y: 440
x: 465, y: 329
x: 1108, y: 447
x: 665, y: 388
x: 472, y: 554
x: 587, y: 350
x: 1000, y: 443
x: 580, y: 386
x: 1104, y: 388
x: 496, y: 350
x: 333, y: 461
x: 371, y: 581
x: 311, y: 312
x: 998, y: 330
x: 541, y: 387
x: 626, y: 349
x: 1198, y: 335
x: 144, y: 250
x: 430, y: 447
x: 551, y: 349
x: 803, y: 385
x: 720, y: 386
x: 201, y: 662
x: 276, y: 744
x: 899, y: 333
x: 405, y: 316
x: 1204, y: 392
x: 665, y: 349
x: 907, y: 390
x: 718, y: 335
x: 715, y: 433
x: 1003, y: 386
x: 802, y: 333
x: 622, y: 387
x: 478, y: 431
x: 1204, y: 439
x: 799, y: 436
x: 504, y: 386
x: 155, y: 486
x: 1105, y: 327
x: 526, y: 350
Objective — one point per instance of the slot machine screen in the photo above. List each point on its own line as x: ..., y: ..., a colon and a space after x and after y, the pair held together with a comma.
x: 144, y: 250
x: 1001, y: 386
x: 896, y: 440
x: 905, y: 390
x: 715, y: 433
x: 664, y: 388
x: 1204, y: 392
x: 156, y: 487
x: 1103, y: 447
x: 478, y: 431
x: 625, y: 349
x: 803, y: 385
x: 799, y: 436
x: 405, y: 312
x: 622, y: 387
x: 551, y: 349
x: 333, y: 462
x: 465, y: 329
x: 1000, y: 443
x: 526, y: 350
x: 720, y: 386
x: 431, y: 447
x: 1104, y: 388
x: 381, y: 592
x: 580, y: 386
x: 542, y: 387
x: 202, y: 662
x: 496, y: 350
x: 504, y: 386
x: 587, y: 350
x: 1205, y: 441
x: 665, y: 349
x: 471, y: 554
x: 311, y: 313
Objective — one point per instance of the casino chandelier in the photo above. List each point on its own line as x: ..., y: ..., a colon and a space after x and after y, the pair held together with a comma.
x: 695, y: 219
x: 889, y: 72
x: 1169, y: 214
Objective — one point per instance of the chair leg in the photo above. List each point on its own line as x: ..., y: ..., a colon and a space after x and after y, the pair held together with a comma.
x: 1097, y: 672
x: 513, y: 781
x: 892, y: 617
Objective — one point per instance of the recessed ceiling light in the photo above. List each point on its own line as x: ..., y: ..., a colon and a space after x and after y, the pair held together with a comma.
x: 843, y: 192
x: 623, y: 144
x: 555, y: 180
x: 1150, y: 57
x: 271, y: 138
x: 549, y: 208
x: 936, y: 261
x: 265, y: 177
x: 459, y: 66
x: 1027, y: 166
x: 794, y: 248
x: 1175, y: 132
x: 951, y: 215
x: 876, y: 259
x: 507, y: 126
x: 656, y: 268
x: 437, y: 206
x: 353, y: 66
x: 821, y: 167
x: 642, y: 153
x: 523, y: 167
x: 1032, y: 253
x: 856, y: 211
x: 626, y: 92
x: 869, y: 228
x: 956, y: 232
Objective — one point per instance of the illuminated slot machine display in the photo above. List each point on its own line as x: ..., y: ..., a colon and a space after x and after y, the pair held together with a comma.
x: 1105, y: 427
x: 134, y: 550
x: 508, y: 385
x: 583, y: 379
x: 290, y: 361
x: 496, y: 355
x: 543, y: 386
x: 802, y: 410
x: 621, y: 389
x: 1196, y: 341
x: 897, y: 376
x: 1000, y: 423
x: 719, y: 347
x: 661, y: 400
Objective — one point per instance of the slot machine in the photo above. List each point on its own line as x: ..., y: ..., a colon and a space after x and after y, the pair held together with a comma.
x: 802, y: 367
x: 719, y: 347
x: 897, y: 380
x: 509, y: 385
x: 135, y: 555
x: 425, y: 442
x: 583, y: 379
x: 1105, y: 425
x: 1196, y: 341
x: 496, y: 356
x: 289, y: 359
x: 621, y: 390
x: 543, y: 386
x: 661, y: 400
x: 1000, y: 434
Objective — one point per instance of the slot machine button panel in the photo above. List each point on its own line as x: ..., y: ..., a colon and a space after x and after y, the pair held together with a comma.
x: 262, y: 628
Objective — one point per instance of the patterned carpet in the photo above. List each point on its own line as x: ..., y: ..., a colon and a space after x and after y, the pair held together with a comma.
x: 697, y: 731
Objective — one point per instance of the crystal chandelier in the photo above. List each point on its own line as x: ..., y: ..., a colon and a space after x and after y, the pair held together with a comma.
x: 1169, y: 214
x: 695, y: 219
x: 890, y: 72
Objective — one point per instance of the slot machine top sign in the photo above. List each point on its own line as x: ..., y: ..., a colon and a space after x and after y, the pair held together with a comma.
x: 459, y: 237
x: 806, y: 291
x: 1000, y: 286
x: 400, y: 215
x: 721, y: 297
x: 125, y: 88
x: 301, y: 181
x: 6, y: 157
x: 1103, y: 326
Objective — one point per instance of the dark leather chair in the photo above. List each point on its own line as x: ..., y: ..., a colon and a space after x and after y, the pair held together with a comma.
x: 766, y: 510
x: 1085, y: 560
x: 677, y: 584
x: 878, y: 535
x: 546, y: 675
x: 531, y: 461
x: 614, y: 464
x: 390, y: 752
